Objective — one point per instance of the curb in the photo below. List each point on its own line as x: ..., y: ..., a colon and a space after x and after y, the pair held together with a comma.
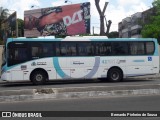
x: 148, y: 77
x: 78, y: 92
x: 2, y: 82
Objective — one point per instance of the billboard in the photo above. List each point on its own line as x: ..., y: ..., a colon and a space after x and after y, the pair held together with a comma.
x: 62, y: 20
x: 9, y: 27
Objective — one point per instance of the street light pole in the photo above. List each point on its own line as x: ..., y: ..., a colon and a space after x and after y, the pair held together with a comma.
x: 35, y: 6
x: 0, y: 10
x: 66, y: 1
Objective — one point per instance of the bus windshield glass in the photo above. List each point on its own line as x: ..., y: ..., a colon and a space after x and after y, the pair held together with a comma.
x: 4, y: 56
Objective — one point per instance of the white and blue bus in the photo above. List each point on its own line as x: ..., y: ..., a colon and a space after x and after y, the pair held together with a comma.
x: 46, y: 58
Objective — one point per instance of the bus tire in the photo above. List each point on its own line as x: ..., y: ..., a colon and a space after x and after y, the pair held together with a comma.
x: 38, y: 78
x: 115, y: 75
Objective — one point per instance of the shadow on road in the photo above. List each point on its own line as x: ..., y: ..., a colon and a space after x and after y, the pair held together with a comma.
x: 74, y: 82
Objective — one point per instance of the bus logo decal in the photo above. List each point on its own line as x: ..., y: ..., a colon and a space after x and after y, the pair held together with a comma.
x: 149, y: 58
x: 33, y: 64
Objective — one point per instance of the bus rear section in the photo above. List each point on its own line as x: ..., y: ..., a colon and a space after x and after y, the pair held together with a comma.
x: 144, y: 59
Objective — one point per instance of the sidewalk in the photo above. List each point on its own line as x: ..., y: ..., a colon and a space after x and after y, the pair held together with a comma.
x: 78, y: 92
x: 81, y: 92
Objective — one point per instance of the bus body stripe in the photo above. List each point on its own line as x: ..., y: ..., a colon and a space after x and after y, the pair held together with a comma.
x: 95, y: 68
x: 63, y: 75
x: 58, y: 68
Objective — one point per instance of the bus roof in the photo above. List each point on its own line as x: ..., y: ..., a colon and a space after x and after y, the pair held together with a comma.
x: 79, y: 38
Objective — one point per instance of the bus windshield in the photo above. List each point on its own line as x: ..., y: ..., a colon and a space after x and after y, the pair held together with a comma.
x: 4, y: 56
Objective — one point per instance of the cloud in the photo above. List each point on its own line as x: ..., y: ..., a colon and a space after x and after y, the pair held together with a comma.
x: 59, y: 3
x: 19, y: 6
x: 116, y: 10
x: 128, y: 2
x: 62, y: 2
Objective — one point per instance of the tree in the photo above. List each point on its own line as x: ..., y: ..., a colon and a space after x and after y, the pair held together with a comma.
x: 3, y: 15
x: 20, y: 23
x: 152, y: 30
x: 156, y: 4
x: 113, y: 34
x: 102, y: 18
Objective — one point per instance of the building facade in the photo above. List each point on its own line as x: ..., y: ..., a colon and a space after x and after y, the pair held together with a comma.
x: 130, y: 27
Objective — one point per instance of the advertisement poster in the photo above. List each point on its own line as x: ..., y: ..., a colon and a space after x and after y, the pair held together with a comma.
x: 71, y: 19
x: 9, y: 27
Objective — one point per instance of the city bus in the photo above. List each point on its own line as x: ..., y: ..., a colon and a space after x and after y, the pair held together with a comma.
x: 43, y: 59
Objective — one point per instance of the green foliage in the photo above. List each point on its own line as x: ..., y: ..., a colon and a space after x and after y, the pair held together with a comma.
x: 60, y: 36
x: 156, y: 4
x: 89, y: 34
x: 113, y: 34
x: 20, y: 23
x: 1, y: 42
x: 3, y: 15
x: 152, y: 30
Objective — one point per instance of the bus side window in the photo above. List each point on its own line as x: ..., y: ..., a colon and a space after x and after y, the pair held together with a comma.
x: 120, y: 48
x: 34, y: 52
x: 63, y: 50
x: 103, y: 48
x: 47, y: 50
x: 137, y: 48
x: 67, y: 49
x: 108, y: 50
x: 85, y: 49
x: 150, y: 48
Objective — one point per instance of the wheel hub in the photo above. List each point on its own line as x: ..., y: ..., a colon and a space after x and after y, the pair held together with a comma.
x: 39, y: 77
x: 115, y: 76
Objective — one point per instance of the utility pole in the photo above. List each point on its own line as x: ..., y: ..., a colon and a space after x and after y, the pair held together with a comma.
x: 93, y: 30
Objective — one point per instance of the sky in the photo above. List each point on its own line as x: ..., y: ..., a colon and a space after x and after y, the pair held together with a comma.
x: 116, y: 10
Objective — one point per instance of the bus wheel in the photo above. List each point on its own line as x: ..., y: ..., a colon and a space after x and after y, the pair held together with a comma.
x: 38, y: 78
x: 115, y: 75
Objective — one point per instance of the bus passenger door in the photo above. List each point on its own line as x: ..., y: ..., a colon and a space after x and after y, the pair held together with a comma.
x: 17, y: 56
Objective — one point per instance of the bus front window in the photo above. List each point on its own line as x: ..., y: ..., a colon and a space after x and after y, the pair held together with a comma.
x: 4, y: 56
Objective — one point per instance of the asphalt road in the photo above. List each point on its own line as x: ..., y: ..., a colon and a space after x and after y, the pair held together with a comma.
x: 138, y: 103
x: 76, y: 83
